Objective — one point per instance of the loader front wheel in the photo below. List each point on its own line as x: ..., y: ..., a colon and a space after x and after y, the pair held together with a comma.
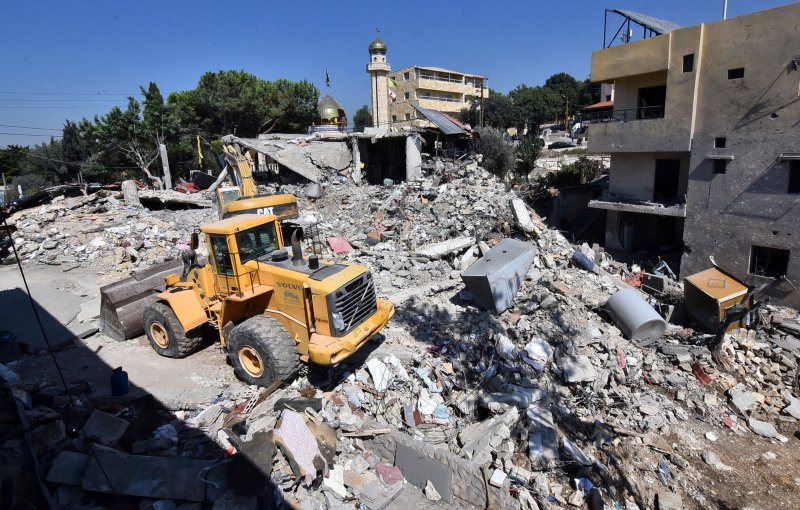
x: 166, y: 334
x: 262, y: 351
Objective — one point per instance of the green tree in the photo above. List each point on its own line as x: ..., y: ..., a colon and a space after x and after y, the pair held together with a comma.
x: 237, y: 102
x: 526, y: 153
x: 124, y: 133
x: 11, y: 158
x: 537, y: 105
x: 361, y: 119
x: 498, y: 156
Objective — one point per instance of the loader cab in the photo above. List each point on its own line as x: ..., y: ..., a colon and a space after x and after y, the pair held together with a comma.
x: 234, y: 244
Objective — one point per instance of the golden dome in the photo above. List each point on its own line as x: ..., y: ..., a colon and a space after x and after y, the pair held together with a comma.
x: 377, y: 46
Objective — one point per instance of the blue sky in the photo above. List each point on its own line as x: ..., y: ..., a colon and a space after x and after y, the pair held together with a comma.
x: 76, y: 59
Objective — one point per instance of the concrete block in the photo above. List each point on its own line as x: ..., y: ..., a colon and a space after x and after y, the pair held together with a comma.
x: 438, y: 250
x: 68, y: 468
x: 495, y: 279
x: 105, y: 428
x: 522, y: 217
x: 148, y: 477
x: 669, y: 501
x: 419, y: 469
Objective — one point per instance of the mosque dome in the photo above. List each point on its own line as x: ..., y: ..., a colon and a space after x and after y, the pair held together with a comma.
x: 377, y: 46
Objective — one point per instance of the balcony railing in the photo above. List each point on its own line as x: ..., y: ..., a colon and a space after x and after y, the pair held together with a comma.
x: 625, y: 115
x: 447, y: 99
x: 439, y: 77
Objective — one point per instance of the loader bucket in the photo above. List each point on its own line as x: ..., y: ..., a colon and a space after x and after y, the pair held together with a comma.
x: 122, y: 303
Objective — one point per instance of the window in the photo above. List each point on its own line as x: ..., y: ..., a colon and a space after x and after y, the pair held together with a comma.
x: 408, y: 116
x: 394, y: 118
x: 406, y: 95
x: 220, y: 255
x: 794, y: 176
x: 737, y: 73
x: 688, y: 63
x: 667, y: 177
x: 406, y: 75
x: 769, y: 262
x: 720, y: 165
x: 256, y: 242
x: 651, y: 102
x: 719, y: 142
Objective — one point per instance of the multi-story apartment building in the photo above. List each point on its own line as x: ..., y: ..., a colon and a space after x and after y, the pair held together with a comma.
x: 433, y: 88
x: 705, y: 147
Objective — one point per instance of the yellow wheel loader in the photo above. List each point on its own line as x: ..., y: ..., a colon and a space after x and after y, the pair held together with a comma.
x: 269, y: 309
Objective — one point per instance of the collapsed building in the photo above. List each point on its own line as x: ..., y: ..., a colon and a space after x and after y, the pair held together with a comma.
x: 558, y: 403
x: 703, y: 146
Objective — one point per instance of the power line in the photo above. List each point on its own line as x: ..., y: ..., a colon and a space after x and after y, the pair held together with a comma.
x: 31, y: 127
x: 65, y: 100
x: 29, y: 134
x: 66, y: 94
x: 75, y: 163
x: 85, y: 107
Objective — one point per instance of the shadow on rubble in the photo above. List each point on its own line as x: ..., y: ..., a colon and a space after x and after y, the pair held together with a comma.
x: 69, y: 443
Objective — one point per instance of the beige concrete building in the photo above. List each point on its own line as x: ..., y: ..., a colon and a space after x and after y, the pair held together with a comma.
x: 704, y: 145
x: 433, y: 88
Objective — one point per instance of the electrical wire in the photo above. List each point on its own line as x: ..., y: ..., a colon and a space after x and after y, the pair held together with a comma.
x: 31, y: 127
x: 29, y: 134
x: 53, y: 356
x: 66, y: 93
x: 75, y: 163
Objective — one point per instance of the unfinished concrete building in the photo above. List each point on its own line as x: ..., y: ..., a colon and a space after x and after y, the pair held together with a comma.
x: 705, y: 157
x: 431, y: 88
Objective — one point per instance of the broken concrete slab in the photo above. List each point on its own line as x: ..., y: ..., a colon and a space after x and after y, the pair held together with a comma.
x: 378, y: 496
x: 572, y: 450
x: 105, y: 428
x: 765, y: 429
x: 743, y: 398
x: 542, y: 437
x: 298, y: 443
x: 419, y: 469
x: 68, y: 468
x: 523, y: 218
x: 669, y: 501
x: 435, y: 251
x: 146, y: 476
x: 335, y: 480
x: 577, y: 369
x: 793, y: 409
x: 495, y: 279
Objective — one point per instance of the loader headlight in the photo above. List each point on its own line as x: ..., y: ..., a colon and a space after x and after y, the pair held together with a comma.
x: 338, y: 321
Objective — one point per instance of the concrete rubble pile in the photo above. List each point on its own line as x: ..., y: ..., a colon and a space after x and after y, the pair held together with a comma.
x: 546, y: 405
x: 101, y: 231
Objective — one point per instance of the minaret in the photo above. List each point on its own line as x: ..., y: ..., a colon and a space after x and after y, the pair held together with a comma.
x: 378, y: 70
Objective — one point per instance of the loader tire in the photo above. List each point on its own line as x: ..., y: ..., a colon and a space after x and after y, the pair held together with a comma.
x: 166, y: 334
x: 262, y: 351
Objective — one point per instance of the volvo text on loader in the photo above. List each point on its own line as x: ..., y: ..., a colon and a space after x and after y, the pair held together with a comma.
x: 269, y: 310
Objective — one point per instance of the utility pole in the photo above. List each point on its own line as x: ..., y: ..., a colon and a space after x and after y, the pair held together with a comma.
x: 724, y: 9
x: 481, y: 117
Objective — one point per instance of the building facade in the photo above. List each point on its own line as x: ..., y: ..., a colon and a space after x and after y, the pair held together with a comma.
x: 433, y: 88
x: 704, y: 145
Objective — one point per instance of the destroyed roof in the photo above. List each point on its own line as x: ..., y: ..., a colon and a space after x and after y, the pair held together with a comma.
x: 441, y: 120
x: 659, y: 26
x: 305, y: 156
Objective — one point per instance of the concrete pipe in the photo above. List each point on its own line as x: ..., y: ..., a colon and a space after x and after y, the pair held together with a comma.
x: 634, y: 316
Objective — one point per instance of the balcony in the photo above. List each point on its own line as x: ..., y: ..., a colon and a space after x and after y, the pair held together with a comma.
x: 637, y: 130
x: 623, y: 204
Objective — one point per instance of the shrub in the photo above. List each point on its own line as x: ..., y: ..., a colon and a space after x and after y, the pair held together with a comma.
x: 498, y: 156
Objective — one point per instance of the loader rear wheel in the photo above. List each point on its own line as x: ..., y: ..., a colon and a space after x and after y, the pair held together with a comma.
x: 166, y: 334
x: 262, y: 351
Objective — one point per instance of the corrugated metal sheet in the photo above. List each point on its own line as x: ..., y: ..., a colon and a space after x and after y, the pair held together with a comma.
x: 659, y: 26
x: 447, y: 126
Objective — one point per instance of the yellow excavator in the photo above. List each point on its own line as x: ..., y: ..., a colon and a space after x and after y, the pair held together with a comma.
x: 242, y: 197
x: 269, y: 310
